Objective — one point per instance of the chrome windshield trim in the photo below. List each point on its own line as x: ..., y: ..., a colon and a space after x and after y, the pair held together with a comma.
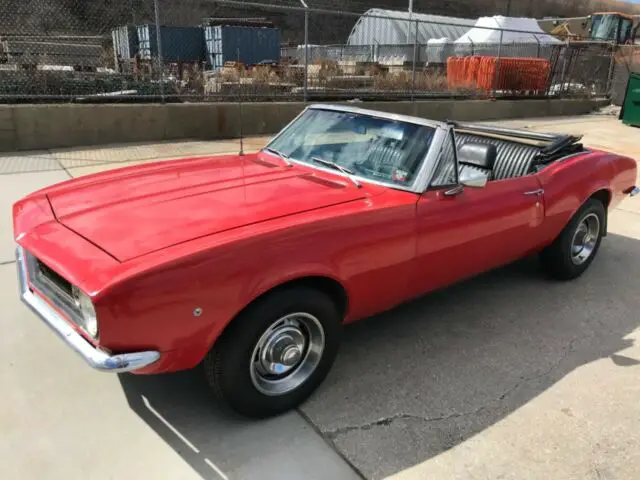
x: 428, y: 170
x: 376, y: 113
x: 415, y: 186
x: 95, y: 358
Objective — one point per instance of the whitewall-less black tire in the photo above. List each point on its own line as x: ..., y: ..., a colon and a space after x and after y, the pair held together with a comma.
x: 276, y: 353
x: 577, y: 245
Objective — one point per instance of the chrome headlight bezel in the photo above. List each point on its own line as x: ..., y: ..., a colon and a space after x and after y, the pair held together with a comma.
x: 87, y: 312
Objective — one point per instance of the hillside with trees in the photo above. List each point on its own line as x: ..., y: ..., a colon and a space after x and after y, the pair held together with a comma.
x: 98, y: 17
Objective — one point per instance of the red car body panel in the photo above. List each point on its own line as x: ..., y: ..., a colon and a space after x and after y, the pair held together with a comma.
x: 478, y: 229
x: 152, y: 243
x: 152, y: 210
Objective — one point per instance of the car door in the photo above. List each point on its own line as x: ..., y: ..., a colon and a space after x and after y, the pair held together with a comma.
x: 462, y: 231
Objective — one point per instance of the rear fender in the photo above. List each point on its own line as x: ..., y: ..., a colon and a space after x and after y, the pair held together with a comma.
x: 570, y: 183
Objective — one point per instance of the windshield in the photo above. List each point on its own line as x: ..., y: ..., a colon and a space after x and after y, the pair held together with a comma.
x: 370, y: 148
x: 604, y: 27
x: 626, y: 30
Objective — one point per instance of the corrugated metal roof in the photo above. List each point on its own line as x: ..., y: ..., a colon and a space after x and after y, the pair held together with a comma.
x: 390, y: 27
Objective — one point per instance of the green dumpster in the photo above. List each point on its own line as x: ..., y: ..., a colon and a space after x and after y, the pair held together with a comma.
x: 630, y: 112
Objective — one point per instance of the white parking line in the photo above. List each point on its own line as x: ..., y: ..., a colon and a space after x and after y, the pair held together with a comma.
x: 168, y: 425
x: 216, y: 469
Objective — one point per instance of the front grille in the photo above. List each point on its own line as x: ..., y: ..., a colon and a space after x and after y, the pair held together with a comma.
x: 53, y: 286
x: 48, y: 275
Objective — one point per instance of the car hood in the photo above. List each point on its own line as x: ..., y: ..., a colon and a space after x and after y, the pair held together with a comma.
x: 135, y: 211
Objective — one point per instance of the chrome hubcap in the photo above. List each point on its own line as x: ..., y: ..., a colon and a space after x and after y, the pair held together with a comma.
x: 585, y: 239
x: 282, y: 350
x: 286, y: 354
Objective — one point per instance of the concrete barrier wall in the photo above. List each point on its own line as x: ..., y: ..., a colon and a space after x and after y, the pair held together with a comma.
x: 41, y: 127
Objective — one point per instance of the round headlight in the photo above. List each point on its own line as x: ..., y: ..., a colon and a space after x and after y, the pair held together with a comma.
x: 87, y: 310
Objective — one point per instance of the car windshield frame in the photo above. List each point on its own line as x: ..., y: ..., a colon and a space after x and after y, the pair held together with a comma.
x: 425, y: 161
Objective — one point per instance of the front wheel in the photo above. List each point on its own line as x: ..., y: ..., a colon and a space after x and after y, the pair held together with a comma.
x: 578, y: 243
x: 276, y: 353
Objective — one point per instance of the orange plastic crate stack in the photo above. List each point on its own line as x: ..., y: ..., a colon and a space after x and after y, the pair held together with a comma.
x: 513, y: 74
x: 462, y: 71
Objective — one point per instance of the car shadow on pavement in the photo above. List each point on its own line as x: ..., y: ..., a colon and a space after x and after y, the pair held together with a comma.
x: 420, y: 379
x: 219, y: 444
x: 176, y: 407
x: 426, y: 376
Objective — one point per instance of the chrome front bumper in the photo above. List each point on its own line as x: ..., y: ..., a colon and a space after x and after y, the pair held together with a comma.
x: 97, y: 359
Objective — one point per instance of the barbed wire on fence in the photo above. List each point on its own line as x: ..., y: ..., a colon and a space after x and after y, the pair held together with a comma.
x: 158, y: 50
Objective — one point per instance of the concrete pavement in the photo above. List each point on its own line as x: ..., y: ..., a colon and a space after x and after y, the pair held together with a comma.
x: 60, y: 419
x: 507, y: 375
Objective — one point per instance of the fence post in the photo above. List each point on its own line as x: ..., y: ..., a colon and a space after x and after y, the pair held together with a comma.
x: 564, y: 65
x: 413, y: 70
x: 612, y: 63
x: 496, y: 75
x: 159, y: 41
x: 306, y: 49
x: 240, y: 94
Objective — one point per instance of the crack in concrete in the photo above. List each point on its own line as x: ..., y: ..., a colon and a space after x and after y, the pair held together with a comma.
x: 62, y: 166
x: 597, y: 473
x: 400, y: 416
x: 332, y: 434
x: 567, y: 351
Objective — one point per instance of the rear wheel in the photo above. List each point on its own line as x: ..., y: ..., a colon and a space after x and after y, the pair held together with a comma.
x: 276, y: 353
x: 578, y: 243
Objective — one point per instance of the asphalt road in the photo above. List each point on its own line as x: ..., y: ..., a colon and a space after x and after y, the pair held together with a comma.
x: 508, y: 375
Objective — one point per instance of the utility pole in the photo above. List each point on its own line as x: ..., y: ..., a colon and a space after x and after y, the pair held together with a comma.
x: 508, y: 8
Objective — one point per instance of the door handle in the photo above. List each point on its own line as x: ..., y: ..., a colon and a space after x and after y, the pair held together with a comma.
x: 458, y: 189
x: 537, y: 192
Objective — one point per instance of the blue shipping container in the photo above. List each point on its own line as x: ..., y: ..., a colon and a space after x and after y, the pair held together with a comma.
x: 249, y: 45
x: 125, y: 42
x: 179, y: 44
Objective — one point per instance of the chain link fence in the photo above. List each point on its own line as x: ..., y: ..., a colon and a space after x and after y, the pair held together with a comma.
x: 164, y: 50
x: 626, y: 61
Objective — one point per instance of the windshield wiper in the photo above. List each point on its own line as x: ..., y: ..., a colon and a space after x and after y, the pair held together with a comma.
x: 283, y: 156
x: 335, y: 166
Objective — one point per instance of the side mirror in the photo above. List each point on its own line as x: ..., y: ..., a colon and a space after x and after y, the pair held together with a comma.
x: 474, y: 179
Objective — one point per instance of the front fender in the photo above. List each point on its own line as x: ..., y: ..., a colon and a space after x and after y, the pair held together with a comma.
x: 277, y: 276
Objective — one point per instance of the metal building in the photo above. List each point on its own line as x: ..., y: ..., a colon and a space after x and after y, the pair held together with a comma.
x: 389, y: 27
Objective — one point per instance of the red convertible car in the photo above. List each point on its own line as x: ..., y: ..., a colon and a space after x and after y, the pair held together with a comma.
x: 249, y: 265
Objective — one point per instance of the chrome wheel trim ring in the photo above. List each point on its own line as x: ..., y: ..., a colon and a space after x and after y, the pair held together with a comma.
x: 585, y: 239
x: 287, y: 354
